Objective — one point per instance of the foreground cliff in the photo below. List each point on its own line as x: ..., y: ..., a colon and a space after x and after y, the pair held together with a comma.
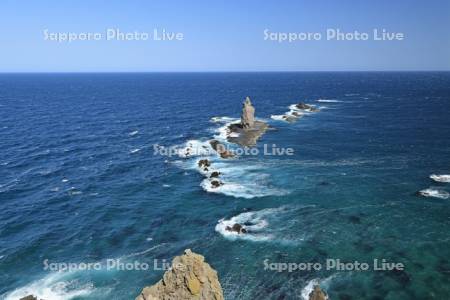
x: 190, y: 277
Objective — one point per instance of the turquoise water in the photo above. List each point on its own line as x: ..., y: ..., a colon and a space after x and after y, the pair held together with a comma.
x: 80, y: 182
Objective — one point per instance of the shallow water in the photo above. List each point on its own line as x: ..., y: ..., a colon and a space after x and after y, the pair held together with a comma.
x: 79, y: 182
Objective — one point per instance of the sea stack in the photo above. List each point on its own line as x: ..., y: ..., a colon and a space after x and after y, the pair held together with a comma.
x: 248, y: 114
x: 248, y: 130
x: 190, y: 277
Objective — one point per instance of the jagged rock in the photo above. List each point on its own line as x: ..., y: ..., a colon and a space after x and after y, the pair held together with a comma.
x: 248, y: 114
x: 220, y: 149
x: 236, y: 228
x: 248, y: 130
x: 204, y: 163
x: 216, y: 183
x: 214, y: 174
x: 29, y: 297
x: 190, y: 277
x: 304, y: 106
x: 318, y: 294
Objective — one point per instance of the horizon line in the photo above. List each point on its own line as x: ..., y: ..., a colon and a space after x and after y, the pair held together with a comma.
x: 220, y: 71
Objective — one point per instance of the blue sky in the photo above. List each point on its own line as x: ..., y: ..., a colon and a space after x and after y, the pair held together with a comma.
x: 223, y: 35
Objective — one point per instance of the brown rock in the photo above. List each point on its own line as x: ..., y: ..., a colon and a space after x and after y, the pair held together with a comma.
x: 236, y: 228
x: 216, y: 183
x: 248, y: 114
x: 189, y: 278
x: 304, y: 106
x: 204, y: 163
x: 29, y: 297
x: 317, y: 294
x: 214, y: 174
x: 221, y: 149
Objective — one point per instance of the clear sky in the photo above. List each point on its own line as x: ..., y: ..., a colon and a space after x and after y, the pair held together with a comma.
x: 223, y: 35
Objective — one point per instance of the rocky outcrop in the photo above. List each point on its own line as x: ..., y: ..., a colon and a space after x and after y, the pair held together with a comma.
x: 214, y: 174
x: 204, y: 164
x: 221, y: 149
x: 29, y: 297
x: 318, y: 294
x: 306, y: 107
x: 236, y: 228
x: 248, y: 114
x: 216, y: 183
x: 248, y: 130
x: 190, y: 277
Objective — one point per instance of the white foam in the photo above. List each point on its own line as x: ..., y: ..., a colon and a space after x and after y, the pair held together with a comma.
x: 55, y: 286
x: 309, y: 288
x: 135, y: 150
x: 323, y: 283
x: 166, y: 185
x: 195, y: 148
x: 253, y: 222
x: 328, y: 100
x: 133, y: 133
x: 435, y: 193
x: 440, y: 178
x: 223, y: 119
x: 278, y: 117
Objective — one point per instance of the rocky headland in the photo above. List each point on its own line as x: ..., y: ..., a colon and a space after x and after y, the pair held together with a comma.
x: 190, y: 277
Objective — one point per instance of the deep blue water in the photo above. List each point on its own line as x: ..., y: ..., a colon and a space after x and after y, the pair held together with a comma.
x: 79, y: 182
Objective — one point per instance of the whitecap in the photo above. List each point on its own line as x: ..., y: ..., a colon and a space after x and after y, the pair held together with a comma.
x: 133, y: 133
x: 253, y: 222
x: 135, y: 150
x: 55, y: 286
x: 266, y: 225
x: 328, y: 100
x: 435, y: 193
x: 440, y: 178
x: 223, y: 119
x: 166, y: 185
x: 195, y: 148
x: 65, y: 180
x: 246, y: 189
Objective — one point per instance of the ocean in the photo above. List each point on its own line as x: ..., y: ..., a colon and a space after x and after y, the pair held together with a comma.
x: 81, y: 181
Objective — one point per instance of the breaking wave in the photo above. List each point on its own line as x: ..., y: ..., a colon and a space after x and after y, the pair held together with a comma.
x: 435, y: 193
x: 263, y: 225
x: 440, y: 178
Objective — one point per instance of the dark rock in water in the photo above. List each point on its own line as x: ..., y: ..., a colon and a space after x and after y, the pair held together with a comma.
x: 214, y: 174
x: 29, y: 297
x: 216, y: 183
x: 203, y: 163
x: 290, y: 119
x: 221, y: 149
x: 236, y: 228
x: 304, y: 106
x: 317, y: 294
